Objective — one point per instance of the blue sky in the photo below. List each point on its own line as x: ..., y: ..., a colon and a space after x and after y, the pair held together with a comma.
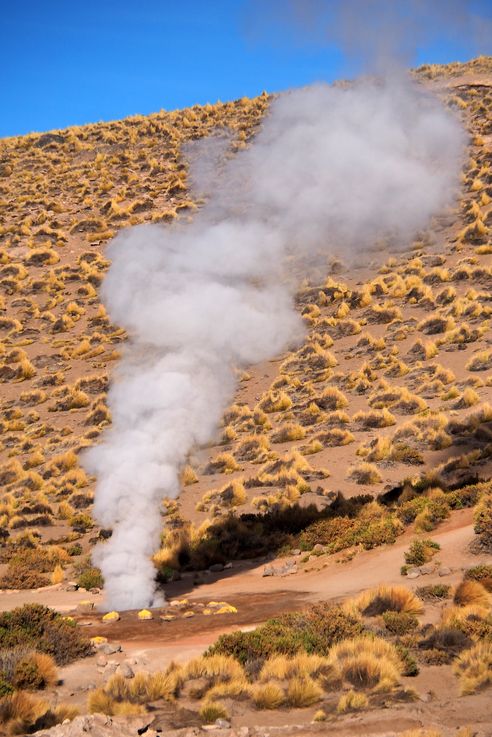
x: 67, y: 63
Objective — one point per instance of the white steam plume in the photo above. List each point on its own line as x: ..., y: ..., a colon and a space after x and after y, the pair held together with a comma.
x: 329, y: 170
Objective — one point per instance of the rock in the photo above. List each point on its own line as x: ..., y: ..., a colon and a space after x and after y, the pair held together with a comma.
x: 101, y: 661
x: 72, y: 586
x: 413, y: 573
x: 94, y: 591
x: 318, y: 548
x: 85, y: 607
x: 126, y: 670
x: 268, y: 571
x: 295, y: 552
x: 444, y: 571
x: 427, y: 569
x: 109, y: 648
x: 195, y: 688
x: 216, y: 567
x: 228, y: 566
x: 222, y: 724
x: 99, y: 725
x: 243, y: 732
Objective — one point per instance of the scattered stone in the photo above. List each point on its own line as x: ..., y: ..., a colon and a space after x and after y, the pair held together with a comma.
x: 84, y: 623
x: 126, y: 670
x: 71, y: 586
x: 295, y: 552
x: 109, y: 648
x: 94, y: 591
x: 427, y: 569
x: 101, y: 661
x: 413, y: 573
x: 318, y: 548
x: 216, y: 567
x: 444, y: 571
x: 167, y: 617
x: 228, y: 566
x: 222, y: 724
x: 268, y: 571
x: 85, y: 607
x: 243, y: 732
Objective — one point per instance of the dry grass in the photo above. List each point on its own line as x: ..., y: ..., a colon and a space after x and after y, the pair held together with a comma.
x: 474, y: 668
x: 472, y: 593
x: 366, y: 663
x: 352, y: 701
x: 385, y: 599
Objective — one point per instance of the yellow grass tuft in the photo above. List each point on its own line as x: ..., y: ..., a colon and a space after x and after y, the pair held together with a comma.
x: 474, y: 668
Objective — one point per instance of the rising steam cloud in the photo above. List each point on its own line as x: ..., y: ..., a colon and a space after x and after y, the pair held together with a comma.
x: 331, y: 170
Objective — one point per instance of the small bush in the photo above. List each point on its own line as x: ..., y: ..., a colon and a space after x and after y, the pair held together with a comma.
x: 421, y: 552
x: 43, y: 629
x: 210, y: 711
x: 91, y: 578
x: 268, y: 696
x: 474, y: 668
x: 35, y: 671
x: 400, y: 623
x: 470, y: 592
x: 482, y: 574
x: 352, y: 701
x: 432, y: 592
x: 303, y: 691
x: 383, y: 599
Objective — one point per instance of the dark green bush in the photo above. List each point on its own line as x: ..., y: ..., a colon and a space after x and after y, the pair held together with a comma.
x: 38, y: 627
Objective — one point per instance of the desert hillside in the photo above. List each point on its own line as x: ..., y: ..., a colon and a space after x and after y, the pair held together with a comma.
x: 361, y: 458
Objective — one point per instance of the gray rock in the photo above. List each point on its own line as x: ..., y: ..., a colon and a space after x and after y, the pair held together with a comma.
x: 268, y: 571
x: 228, y: 566
x: 126, y: 670
x: 413, y: 573
x: 222, y: 724
x: 71, y: 586
x: 444, y: 571
x: 109, y: 648
x: 243, y: 732
x: 318, y: 548
x: 427, y: 569
x: 216, y: 567
x: 296, y: 552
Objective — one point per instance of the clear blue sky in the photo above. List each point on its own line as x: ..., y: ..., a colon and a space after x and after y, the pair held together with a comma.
x: 68, y: 63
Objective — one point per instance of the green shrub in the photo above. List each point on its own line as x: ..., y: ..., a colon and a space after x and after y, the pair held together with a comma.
x: 483, y: 522
x: 400, y: 623
x: 436, y: 591
x: 38, y: 627
x: 311, y: 631
x: 410, y: 667
x: 342, y: 532
x: 75, y: 549
x: 482, y: 573
x: 420, y: 552
x: 91, y: 578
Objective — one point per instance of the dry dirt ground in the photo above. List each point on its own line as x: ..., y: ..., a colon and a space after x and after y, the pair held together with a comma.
x: 369, y: 333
